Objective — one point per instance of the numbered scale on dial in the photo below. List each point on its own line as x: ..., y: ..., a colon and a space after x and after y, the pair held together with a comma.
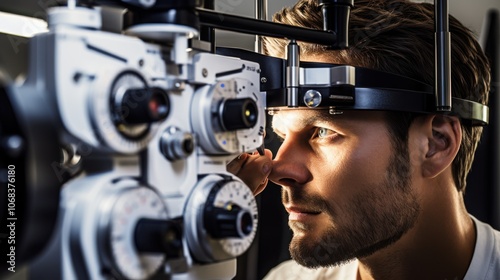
x: 121, y: 234
x: 221, y: 219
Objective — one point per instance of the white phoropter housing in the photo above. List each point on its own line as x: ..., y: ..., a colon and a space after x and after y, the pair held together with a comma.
x: 160, y: 123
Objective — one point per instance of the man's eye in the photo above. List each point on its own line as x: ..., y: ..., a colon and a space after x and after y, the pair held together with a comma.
x: 324, y: 132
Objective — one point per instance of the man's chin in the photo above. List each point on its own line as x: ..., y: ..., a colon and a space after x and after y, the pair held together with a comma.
x: 309, y: 252
x: 319, y: 260
x: 327, y: 250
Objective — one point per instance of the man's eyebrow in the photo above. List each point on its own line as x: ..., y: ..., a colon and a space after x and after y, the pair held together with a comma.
x: 316, y: 119
x: 323, y: 117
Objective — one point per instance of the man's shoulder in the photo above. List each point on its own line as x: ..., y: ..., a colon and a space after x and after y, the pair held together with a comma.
x: 293, y: 271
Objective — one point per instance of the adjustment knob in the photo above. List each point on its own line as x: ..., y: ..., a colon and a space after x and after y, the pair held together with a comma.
x: 221, y: 219
x: 238, y: 114
x: 176, y: 144
x: 231, y: 221
x: 158, y: 236
x: 136, y: 235
x: 141, y: 106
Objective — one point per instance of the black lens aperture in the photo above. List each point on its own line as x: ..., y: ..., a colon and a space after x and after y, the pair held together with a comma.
x: 238, y: 114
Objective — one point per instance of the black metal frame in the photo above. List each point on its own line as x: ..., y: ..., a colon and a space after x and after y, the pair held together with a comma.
x: 206, y: 19
x: 441, y: 102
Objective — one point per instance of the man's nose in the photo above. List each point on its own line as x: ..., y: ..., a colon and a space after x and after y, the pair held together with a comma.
x: 290, y: 166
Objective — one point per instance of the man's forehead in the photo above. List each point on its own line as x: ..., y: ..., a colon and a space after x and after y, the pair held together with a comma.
x: 298, y: 119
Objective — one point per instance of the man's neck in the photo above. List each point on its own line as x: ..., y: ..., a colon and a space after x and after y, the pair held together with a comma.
x: 439, y: 246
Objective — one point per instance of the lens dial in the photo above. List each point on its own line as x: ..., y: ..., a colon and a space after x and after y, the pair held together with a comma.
x: 221, y: 219
x: 128, y: 209
x: 228, y: 117
x: 126, y: 116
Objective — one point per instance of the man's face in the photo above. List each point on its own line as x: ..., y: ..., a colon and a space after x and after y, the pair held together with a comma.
x: 347, y: 190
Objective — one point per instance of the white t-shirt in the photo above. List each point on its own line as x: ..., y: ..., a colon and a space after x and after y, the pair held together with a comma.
x: 485, y: 264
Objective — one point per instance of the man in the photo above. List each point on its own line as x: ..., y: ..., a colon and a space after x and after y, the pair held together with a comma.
x: 374, y: 194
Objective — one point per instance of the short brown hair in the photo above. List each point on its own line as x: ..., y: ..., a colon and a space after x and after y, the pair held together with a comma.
x: 397, y: 36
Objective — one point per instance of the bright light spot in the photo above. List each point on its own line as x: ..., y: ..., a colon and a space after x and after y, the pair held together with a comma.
x: 20, y: 25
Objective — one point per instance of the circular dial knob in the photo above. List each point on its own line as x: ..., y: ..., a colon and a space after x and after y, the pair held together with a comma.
x: 131, y: 208
x: 229, y: 116
x: 127, y: 114
x: 228, y: 221
x: 176, y: 144
x: 221, y: 219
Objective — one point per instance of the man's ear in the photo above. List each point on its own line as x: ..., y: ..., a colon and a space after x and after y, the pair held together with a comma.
x: 444, y: 135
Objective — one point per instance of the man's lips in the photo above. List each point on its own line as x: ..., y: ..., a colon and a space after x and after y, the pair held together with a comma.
x: 299, y: 213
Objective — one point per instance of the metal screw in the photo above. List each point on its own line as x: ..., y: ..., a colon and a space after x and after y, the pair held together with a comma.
x: 312, y: 98
x: 263, y: 80
x: 333, y: 111
x: 179, y: 85
x: 204, y: 72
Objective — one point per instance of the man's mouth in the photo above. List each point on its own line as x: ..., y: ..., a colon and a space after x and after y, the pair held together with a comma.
x: 301, y: 213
